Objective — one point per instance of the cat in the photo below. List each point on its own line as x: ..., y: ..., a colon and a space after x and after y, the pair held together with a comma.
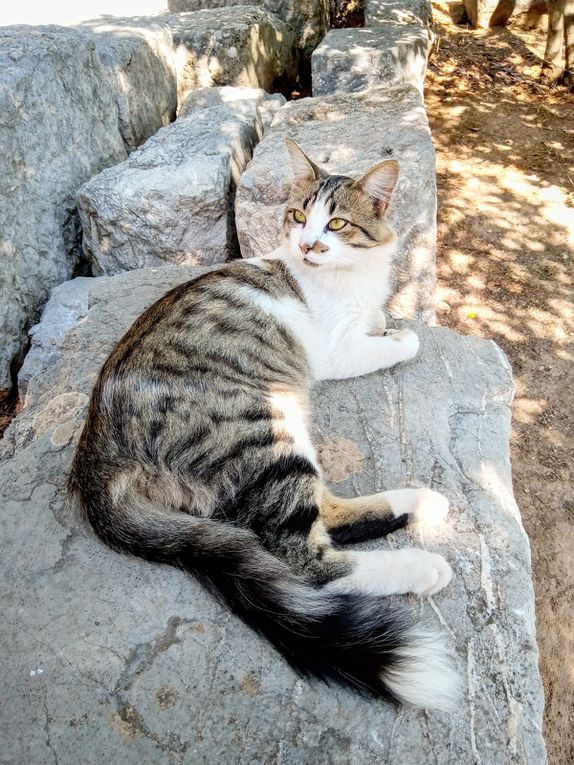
x: 196, y: 450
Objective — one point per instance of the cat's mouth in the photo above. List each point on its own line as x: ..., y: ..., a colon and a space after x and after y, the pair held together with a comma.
x: 310, y: 263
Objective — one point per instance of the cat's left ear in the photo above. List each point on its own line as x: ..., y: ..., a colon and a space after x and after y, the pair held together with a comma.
x: 379, y: 183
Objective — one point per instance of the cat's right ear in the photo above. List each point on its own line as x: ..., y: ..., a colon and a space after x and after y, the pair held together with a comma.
x: 302, y: 167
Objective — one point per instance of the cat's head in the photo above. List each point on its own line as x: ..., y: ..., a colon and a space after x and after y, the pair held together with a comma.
x: 333, y: 220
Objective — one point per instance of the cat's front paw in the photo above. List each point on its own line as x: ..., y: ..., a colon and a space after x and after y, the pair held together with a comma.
x: 408, y: 342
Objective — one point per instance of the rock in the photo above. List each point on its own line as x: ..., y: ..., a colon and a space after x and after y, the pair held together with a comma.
x: 171, y: 201
x: 348, y: 134
x: 350, y: 60
x: 397, y: 11
x: 68, y: 303
x: 58, y: 127
x: 140, y: 62
x: 110, y: 659
x: 242, y: 45
x: 491, y: 13
x: 244, y: 101
x: 308, y: 18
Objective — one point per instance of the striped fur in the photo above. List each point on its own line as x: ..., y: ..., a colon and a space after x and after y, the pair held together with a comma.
x: 196, y: 453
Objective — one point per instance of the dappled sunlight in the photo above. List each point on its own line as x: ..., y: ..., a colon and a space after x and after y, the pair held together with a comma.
x: 505, y: 176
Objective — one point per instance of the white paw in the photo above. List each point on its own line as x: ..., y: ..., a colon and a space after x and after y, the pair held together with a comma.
x: 428, y: 573
x: 409, y: 343
x: 430, y: 508
x: 394, y: 572
x: 422, y: 505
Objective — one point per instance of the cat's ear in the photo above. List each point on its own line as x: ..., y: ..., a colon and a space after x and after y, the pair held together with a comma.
x: 379, y: 183
x: 302, y: 167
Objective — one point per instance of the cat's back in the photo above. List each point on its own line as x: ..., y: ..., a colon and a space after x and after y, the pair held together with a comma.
x: 198, y: 367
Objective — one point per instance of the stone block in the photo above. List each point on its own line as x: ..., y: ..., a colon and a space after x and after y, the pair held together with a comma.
x: 111, y: 659
x: 140, y: 62
x: 309, y: 19
x: 350, y: 60
x: 243, y: 45
x: 58, y: 127
x: 397, y: 11
x: 246, y: 101
x: 347, y: 135
x: 171, y: 201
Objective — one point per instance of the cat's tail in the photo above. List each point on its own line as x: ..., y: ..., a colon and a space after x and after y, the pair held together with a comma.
x: 358, y: 641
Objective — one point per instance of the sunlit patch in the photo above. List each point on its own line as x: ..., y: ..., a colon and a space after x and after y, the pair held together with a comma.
x: 289, y: 423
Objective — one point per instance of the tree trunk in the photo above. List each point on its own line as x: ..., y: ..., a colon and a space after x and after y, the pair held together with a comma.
x: 552, y: 67
x: 569, y: 43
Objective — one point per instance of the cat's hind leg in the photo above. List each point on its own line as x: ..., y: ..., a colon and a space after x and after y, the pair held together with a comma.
x: 361, y: 518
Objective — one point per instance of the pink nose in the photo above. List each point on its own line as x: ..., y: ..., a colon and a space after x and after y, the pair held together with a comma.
x: 304, y: 248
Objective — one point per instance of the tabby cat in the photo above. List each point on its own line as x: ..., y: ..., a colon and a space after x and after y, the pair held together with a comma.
x: 196, y: 450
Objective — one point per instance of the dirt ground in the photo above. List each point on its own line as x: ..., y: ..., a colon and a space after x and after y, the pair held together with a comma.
x: 505, y: 165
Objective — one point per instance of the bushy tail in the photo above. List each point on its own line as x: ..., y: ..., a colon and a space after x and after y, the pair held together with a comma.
x: 358, y: 641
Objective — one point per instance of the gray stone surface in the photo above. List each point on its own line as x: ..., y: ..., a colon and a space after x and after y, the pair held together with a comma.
x: 68, y: 303
x: 309, y: 19
x: 110, y: 659
x: 58, y: 127
x: 348, y: 134
x: 398, y: 11
x: 141, y: 65
x: 171, y: 201
x: 243, y: 45
x: 350, y: 60
x: 244, y: 101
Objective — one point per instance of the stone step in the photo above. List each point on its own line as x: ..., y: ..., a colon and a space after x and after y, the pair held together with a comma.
x: 350, y: 60
x: 110, y: 659
x: 349, y: 134
x: 309, y: 19
x: 171, y: 201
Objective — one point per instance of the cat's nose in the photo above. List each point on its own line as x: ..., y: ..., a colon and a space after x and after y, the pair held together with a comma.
x: 304, y: 247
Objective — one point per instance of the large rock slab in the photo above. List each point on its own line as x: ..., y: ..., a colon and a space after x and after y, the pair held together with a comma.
x: 171, y: 201
x: 309, y: 19
x: 141, y: 64
x: 243, y: 45
x: 348, y: 134
x: 110, y: 659
x: 350, y: 60
x: 58, y: 127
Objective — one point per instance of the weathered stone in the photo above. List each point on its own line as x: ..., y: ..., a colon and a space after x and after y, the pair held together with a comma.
x: 171, y: 201
x: 349, y: 134
x: 244, y: 100
x: 67, y: 304
x: 140, y: 62
x: 491, y: 13
x: 58, y: 127
x: 397, y: 11
x: 242, y: 45
x: 308, y: 18
x: 350, y: 60
x: 110, y: 659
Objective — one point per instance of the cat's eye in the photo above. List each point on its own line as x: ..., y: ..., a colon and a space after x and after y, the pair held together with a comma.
x: 298, y: 216
x: 336, y: 224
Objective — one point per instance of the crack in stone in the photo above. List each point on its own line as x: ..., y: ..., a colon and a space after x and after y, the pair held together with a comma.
x: 47, y: 722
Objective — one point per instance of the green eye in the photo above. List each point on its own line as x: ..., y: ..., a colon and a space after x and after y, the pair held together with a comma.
x: 298, y: 216
x: 336, y: 224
